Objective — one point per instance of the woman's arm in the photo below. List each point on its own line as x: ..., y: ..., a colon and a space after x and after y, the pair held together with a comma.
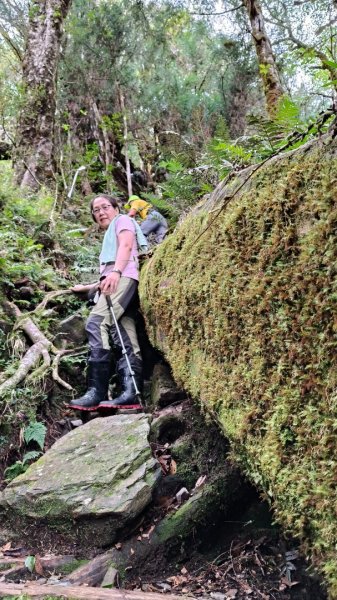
x: 79, y: 287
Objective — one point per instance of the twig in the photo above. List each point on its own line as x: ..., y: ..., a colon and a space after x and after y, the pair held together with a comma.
x: 225, y: 12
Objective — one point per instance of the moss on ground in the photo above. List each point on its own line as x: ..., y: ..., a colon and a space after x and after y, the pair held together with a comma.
x: 246, y: 314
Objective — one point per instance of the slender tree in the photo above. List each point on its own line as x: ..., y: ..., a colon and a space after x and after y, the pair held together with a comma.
x: 34, y: 157
x: 272, y: 85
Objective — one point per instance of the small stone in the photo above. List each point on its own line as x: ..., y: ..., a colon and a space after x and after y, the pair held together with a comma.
x: 218, y: 596
x: 164, y: 586
x: 182, y: 495
x: 76, y: 423
x: 232, y: 593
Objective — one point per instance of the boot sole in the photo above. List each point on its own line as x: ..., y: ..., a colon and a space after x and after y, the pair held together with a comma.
x: 82, y: 408
x: 119, y: 407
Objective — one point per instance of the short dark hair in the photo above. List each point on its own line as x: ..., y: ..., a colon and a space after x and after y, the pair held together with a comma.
x: 113, y: 201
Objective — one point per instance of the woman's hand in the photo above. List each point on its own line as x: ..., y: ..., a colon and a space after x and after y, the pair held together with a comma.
x: 80, y: 288
x: 110, y: 283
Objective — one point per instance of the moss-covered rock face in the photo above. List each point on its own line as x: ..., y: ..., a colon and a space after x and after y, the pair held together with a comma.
x: 243, y: 302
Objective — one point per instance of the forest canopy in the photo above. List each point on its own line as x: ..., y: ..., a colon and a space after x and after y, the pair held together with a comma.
x: 127, y: 72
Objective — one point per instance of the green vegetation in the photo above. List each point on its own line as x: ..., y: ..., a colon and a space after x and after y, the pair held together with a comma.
x: 253, y: 333
x: 242, y: 301
x: 40, y: 252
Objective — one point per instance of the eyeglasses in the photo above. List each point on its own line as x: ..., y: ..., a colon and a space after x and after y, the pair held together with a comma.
x: 105, y: 208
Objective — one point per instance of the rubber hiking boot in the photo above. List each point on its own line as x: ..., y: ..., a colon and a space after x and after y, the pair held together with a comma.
x: 127, y: 398
x: 99, y: 365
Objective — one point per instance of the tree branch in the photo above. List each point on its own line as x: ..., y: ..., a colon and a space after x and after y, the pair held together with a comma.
x: 225, y: 12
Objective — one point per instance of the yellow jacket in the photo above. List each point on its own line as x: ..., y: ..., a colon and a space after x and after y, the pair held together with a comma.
x: 141, y: 206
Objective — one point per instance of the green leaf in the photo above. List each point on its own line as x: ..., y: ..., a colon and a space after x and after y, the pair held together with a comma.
x: 30, y: 563
x: 35, y: 432
x: 330, y: 63
x: 14, y: 470
x: 30, y: 456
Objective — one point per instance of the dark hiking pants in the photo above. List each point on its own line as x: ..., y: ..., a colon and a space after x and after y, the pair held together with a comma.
x: 100, y: 322
x: 155, y: 223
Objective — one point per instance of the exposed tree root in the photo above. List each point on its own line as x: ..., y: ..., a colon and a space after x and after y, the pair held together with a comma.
x: 41, y: 349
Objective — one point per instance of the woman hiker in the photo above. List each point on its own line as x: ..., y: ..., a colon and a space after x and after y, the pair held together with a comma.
x: 152, y: 221
x: 119, y: 282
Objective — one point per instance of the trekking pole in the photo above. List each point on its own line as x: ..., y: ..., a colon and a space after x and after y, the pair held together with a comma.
x: 124, y: 352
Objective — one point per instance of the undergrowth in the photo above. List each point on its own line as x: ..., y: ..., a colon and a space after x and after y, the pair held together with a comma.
x: 42, y: 250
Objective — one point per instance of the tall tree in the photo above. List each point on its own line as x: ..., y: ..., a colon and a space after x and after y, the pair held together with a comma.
x: 34, y: 157
x: 315, y: 43
x: 272, y: 85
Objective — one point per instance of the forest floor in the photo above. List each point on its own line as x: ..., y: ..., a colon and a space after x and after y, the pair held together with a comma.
x: 244, y: 559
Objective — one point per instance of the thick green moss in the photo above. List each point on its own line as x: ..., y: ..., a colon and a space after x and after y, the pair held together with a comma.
x: 244, y: 307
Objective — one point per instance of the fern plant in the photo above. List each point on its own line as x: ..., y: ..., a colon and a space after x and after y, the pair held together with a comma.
x: 35, y: 432
x: 20, y: 466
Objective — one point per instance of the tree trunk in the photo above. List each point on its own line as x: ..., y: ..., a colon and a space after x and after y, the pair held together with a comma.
x: 268, y: 70
x: 126, y: 150
x: 34, y: 159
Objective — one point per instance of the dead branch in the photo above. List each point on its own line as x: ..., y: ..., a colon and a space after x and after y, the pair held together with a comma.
x: 50, y: 296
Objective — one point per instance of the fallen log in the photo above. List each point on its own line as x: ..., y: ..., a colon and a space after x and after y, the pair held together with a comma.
x: 33, y: 590
x: 14, y: 568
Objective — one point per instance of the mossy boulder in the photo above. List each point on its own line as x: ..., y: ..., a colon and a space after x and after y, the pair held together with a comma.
x: 90, y: 484
x: 242, y: 301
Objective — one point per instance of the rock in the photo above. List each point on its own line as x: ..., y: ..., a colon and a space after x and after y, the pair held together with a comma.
x: 167, y: 428
x: 110, y: 577
x: 26, y: 292
x: 166, y: 488
x: 219, y: 596
x: 92, y: 482
x: 164, y: 390
x: 182, y: 495
x: 76, y: 423
x: 71, y: 331
x: 166, y: 587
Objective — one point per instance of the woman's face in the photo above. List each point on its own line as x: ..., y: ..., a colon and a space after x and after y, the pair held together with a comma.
x: 103, y: 212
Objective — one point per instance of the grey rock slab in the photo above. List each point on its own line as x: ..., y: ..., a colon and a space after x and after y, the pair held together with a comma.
x: 110, y: 577
x: 101, y: 473
x: 71, y: 331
